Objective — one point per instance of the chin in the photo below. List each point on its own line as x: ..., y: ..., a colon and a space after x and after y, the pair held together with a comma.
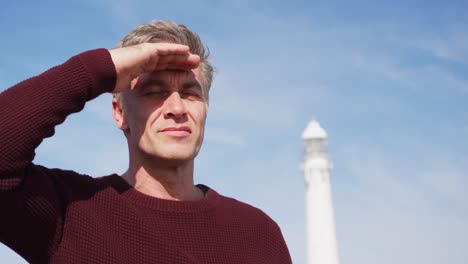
x: 176, y: 156
x: 169, y: 154
x: 174, y: 161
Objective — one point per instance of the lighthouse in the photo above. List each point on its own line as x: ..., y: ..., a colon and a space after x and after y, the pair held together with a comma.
x: 321, y: 236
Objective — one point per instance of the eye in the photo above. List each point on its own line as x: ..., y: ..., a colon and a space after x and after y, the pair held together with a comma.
x: 158, y: 93
x: 191, y: 94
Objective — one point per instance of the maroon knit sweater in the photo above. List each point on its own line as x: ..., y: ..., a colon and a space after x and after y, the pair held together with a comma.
x: 58, y: 216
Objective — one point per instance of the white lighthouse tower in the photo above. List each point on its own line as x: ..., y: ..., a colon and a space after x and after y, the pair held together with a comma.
x: 321, y: 238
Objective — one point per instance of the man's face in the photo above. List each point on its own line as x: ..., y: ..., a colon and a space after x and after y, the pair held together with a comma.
x: 164, y: 115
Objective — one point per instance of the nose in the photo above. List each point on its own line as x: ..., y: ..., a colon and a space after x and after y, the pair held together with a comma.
x: 174, y: 106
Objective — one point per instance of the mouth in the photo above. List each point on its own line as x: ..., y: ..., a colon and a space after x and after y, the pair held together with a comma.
x: 176, y: 131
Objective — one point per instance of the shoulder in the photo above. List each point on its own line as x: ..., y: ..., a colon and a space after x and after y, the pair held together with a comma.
x: 71, y: 183
x: 253, y: 224
x: 243, y: 211
x: 72, y: 178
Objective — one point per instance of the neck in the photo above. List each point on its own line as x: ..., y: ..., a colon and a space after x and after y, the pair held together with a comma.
x: 174, y: 182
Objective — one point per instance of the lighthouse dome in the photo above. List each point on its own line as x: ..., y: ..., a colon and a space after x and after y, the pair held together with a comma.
x: 314, y: 131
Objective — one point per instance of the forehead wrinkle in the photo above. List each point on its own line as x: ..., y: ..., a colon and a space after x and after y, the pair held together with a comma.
x: 153, y: 82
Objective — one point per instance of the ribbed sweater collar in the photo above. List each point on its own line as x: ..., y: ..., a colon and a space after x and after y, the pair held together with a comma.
x: 208, y: 202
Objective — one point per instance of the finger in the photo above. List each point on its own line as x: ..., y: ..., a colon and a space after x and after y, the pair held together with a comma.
x: 178, y: 62
x: 180, y: 67
x: 193, y: 60
x: 166, y: 59
x: 169, y: 48
x: 180, y: 59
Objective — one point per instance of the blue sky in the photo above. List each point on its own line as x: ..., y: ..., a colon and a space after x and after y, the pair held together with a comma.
x: 387, y: 80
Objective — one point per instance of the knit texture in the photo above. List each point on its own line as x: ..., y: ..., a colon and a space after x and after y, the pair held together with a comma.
x: 58, y: 216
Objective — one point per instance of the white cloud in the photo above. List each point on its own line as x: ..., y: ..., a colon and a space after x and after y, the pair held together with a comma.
x: 277, y: 72
x: 397, y: 209
x: 451, y: 45
x: 225, y: 137
x: 448, y: 180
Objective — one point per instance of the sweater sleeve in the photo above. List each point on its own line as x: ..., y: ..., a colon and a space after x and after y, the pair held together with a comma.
x: 30, y: 203
x: 30, y: 110
x: 279, y: 249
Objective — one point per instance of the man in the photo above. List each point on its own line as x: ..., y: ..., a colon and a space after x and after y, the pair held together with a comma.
x: 153, y: 213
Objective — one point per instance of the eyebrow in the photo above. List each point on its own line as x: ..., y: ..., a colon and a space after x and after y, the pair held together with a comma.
x: 153, y: 82
x: 191, y: 84
x: 163, y: 84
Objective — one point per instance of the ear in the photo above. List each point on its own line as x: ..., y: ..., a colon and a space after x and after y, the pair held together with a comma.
x: 118, y: 114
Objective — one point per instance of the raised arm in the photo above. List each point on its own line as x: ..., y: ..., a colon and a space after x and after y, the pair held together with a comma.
x: 30, y: 110
x: 32, y: 206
